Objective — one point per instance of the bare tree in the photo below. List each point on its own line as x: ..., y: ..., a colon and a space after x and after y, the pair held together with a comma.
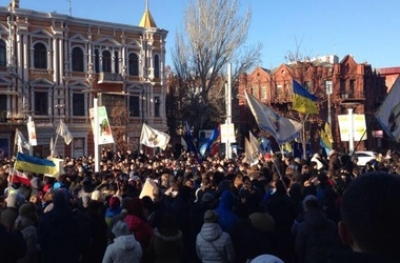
x: 215, y: 33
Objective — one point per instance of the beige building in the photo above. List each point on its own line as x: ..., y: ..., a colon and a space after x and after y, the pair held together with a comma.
x: 52, y: 66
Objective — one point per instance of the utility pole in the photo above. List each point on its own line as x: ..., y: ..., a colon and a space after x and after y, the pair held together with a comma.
x: 228, y: 104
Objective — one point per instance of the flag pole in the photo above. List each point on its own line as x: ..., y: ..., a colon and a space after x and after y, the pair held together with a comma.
x: 96, y: 135
x: 55, y: 140
x: 303, y: 137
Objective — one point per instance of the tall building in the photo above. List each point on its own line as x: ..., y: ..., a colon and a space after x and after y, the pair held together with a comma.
x: 52, y: 66
x: 348, y: 81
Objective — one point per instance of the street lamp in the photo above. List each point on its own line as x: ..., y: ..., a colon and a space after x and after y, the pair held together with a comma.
x: 328, y: 86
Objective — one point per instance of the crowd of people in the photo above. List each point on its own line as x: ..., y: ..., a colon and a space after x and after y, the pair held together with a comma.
x: 141, y: 208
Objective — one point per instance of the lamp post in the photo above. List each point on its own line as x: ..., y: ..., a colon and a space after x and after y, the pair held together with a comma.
x: 328, y: 86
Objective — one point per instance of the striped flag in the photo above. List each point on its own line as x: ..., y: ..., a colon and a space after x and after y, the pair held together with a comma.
x: 19, y: 177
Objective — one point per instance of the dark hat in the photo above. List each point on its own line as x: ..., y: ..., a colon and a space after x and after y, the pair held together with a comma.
x: 28, y: 210
x: 210, y: 216
x: 207, y: 197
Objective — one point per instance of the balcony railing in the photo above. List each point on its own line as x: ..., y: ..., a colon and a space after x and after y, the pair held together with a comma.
x: 109, y: 77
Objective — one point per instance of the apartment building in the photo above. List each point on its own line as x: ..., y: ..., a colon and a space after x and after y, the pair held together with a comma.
x: 52, y: 66
x: 346, y: 82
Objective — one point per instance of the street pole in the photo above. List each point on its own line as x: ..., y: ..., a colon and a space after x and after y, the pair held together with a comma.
x: 351, y: 130
x: 96, y: 135
x: 329, y: 93
x: 228, y: 103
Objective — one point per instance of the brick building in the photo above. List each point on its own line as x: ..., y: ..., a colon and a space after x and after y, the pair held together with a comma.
x: 348, y: 81
x: 52, y: 66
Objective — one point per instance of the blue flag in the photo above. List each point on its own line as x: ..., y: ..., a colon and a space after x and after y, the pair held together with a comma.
x: 209, y: 146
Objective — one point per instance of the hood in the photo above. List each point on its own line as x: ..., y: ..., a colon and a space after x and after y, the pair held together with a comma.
x: 168, y: 236
x: 227, y: 201
x: 315, y: 218
x: 210, y: 231
x: 126, y: 242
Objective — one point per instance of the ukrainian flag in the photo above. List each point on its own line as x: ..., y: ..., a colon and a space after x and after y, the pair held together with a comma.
x: 326, y: 139
x: 303, y: 101
x: 35, y: 165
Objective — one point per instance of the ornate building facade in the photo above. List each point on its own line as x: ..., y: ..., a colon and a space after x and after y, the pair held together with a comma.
x: 347, y: 80
x: 52, y: 66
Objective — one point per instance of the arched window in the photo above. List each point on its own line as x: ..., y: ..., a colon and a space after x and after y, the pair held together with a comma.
x: 133, y: 64
x: 96, y: 61
x: 3, y: 54
x: 116, y: 62
x: 156, y: 66
x: 106, y: 61
x: 77, y: 59
x: 40, y: 56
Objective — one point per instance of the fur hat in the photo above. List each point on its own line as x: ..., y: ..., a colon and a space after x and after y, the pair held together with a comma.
x: 210, y: 216
x: 120, y: 229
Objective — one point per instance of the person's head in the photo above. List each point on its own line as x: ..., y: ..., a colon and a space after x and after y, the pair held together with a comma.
x: 370, y: 214
x: 210, y: 216
x: 120, y: 229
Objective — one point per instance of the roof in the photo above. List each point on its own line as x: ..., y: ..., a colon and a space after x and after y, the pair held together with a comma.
x: 147, y: 20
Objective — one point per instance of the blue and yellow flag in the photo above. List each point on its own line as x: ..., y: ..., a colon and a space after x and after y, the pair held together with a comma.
x: 303, y: 101
x: 326, y: 139
x: 35, y: 165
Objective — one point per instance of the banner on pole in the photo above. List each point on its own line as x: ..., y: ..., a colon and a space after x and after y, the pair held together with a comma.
x: 359, y: 127
x: 31, y: 133
x: 228, y: 133
x: 105, y: 133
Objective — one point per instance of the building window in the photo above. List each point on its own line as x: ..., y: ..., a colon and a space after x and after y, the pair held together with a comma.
x: 106, y: 61
x: 134, y: 106
x: 40, y: 56
x: 77, y: 59
x: 157, y: 107
x: 3, y: 54
x: 3, y: 108
x: 41, y: 103
x: 263, y: 92
x: 156, y: 66
x: 343, y: 88
x: 96, y: 61
x: 79, y: 147
x: 308, y: 86
x: 133, y: 65
x: 279, y: 91
x: 352, y: 88
x: 78, y: 104
x: 116, y: 62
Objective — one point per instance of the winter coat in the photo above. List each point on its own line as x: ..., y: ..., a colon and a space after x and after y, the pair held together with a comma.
x: 210, y: 239
x: 125, y: 249
x: 315, y: 237
x: 339, y: 256
x: 29, y: 233
x: 225, y: 210
x: 12, y: 246
x: 166, y: 247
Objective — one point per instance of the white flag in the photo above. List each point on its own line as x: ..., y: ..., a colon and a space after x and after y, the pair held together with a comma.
x: 184, y: 144
x: 53, y: 150
x: 21, y: 142
x: 154, y: 138
x: 256, y: 144
x: 281, y: 128
x: 65, y: 133
x: 388, y: 114
x: 250, y: 153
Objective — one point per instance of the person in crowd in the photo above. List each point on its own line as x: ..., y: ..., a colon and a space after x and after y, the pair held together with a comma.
x: 27, y: 222
x: 60, y: 232
x: 213, y: 244
x: 373, y: 200
x: 113, y: 210
x: 316, y: 235
x: 12, y: 244
x: 225, y: 210
x: 125, y: 249
x: 166, y: 244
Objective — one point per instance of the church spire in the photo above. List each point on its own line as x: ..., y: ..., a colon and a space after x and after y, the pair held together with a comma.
x: 147, y: 20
